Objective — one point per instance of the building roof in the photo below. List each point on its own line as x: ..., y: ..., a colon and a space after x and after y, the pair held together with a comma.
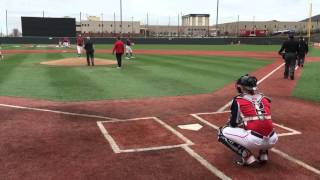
x: 197, y: 15
x: 313, y: 18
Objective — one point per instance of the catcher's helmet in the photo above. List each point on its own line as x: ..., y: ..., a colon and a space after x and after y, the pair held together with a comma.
x: 248, y: 82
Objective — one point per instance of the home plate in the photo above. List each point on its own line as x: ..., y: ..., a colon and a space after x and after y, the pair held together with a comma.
x: 192, y: 127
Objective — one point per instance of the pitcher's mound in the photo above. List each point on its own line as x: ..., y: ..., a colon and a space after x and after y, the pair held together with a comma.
x: 79, y: 61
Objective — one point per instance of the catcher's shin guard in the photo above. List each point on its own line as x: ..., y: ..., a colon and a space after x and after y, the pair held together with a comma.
x: 237, y: 148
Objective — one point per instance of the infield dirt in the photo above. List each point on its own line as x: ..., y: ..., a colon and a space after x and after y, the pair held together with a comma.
x: 78, y: 61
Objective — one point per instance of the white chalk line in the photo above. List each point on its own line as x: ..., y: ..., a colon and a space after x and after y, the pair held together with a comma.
x: 185, y: 146
x: 296, y: 161
x: 205, y: 163
x: 276, y: 151
x: 57, y: 112
x: 116, y: 148
x: 223, y: 108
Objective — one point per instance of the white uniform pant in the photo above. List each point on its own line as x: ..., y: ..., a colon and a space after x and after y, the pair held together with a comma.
x: 246, y: 139
x: 79, y: 49
x: 128, y: 49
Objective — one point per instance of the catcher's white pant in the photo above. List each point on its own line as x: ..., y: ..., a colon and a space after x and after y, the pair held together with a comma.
x: 79, y: 49
x: 249, y: 141
x: 128, y: 49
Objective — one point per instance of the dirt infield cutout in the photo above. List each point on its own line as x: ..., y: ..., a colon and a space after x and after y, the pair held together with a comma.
x: 78, y: 61
x: 127, y: 138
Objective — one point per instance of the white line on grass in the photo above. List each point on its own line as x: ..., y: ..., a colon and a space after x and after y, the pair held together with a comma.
x: 223, y: 108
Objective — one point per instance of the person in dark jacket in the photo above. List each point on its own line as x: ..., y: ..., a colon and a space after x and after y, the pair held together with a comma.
x: 118, y: 48
x: 88, y: 46
x: 303, y: 50
x: 290, y: 47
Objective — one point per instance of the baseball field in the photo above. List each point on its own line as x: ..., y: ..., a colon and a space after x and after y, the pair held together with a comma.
x: 71, y: 121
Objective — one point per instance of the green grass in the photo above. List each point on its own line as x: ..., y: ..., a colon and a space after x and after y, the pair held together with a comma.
x: 242, y: 47
x: 308, y: 86
x: 147, y: 76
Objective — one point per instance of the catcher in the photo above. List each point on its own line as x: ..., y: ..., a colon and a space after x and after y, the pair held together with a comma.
x: 249, y: 132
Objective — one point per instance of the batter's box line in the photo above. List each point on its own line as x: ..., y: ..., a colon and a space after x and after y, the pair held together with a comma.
x: 197, y: 116
x: 116, y: 148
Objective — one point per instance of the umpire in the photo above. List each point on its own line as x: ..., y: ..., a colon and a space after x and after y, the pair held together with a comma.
x: 303, y: 50
x: 291, y: 49
x: 88, y: 46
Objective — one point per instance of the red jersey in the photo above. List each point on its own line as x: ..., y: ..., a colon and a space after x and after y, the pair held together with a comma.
x: 118, y: 47
x: 80, y: 41
x: 254, y: 112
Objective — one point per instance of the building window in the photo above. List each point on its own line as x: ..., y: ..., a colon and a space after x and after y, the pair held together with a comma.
x: 265, y: 26
x: 285, y: 26
x: 120, y: 25
x: 275, y: 26
x: 128, y: 25
x: 245, y: 26
x: 110, y: 25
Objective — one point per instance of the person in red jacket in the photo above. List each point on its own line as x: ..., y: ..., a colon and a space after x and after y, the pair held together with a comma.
x: 118, y: 48
x: 250, y: 127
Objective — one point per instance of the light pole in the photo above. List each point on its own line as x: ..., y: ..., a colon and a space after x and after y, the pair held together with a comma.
x: 7, y: 22
x: 114, y: 24
x: 131, y: 26
x: 309, y: 22
x: 120, y: 17
x: 217, y: 18
x: 101, y: 24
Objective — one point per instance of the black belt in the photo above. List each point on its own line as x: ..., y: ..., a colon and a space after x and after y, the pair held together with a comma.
x: 259, y: 135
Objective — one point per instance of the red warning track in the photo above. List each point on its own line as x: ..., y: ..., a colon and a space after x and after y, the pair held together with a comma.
x: 43, y: 144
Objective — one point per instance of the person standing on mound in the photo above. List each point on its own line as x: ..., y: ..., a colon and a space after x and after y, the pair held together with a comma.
x: 80, y: 43
x: 118, y: 48
x: 89, y: 51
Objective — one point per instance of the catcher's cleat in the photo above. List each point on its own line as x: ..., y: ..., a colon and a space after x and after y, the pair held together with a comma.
x: 249, y: 161
x: 263, y: 156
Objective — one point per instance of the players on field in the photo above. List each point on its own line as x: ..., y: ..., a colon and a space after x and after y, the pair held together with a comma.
x: 249, y: 132
x: 129, y: 51
x: 291, y: 50
x: 80, y: 43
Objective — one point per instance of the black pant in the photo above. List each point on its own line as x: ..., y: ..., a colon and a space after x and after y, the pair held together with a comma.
x: 90, y: 58
x: 301, y: 58
x: 119, y: 58
x: 290, y: 65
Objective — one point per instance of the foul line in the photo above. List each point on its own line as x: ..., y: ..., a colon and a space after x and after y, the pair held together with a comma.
x: 223, y: 108
x: 58, y: 112
x: 296, y: 161
x: 206, y: 164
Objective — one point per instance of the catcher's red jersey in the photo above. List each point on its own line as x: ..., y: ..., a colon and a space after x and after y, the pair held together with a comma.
x: 255, y: 113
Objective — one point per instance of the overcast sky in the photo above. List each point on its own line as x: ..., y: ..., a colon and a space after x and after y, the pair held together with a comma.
x: 160, y: 11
